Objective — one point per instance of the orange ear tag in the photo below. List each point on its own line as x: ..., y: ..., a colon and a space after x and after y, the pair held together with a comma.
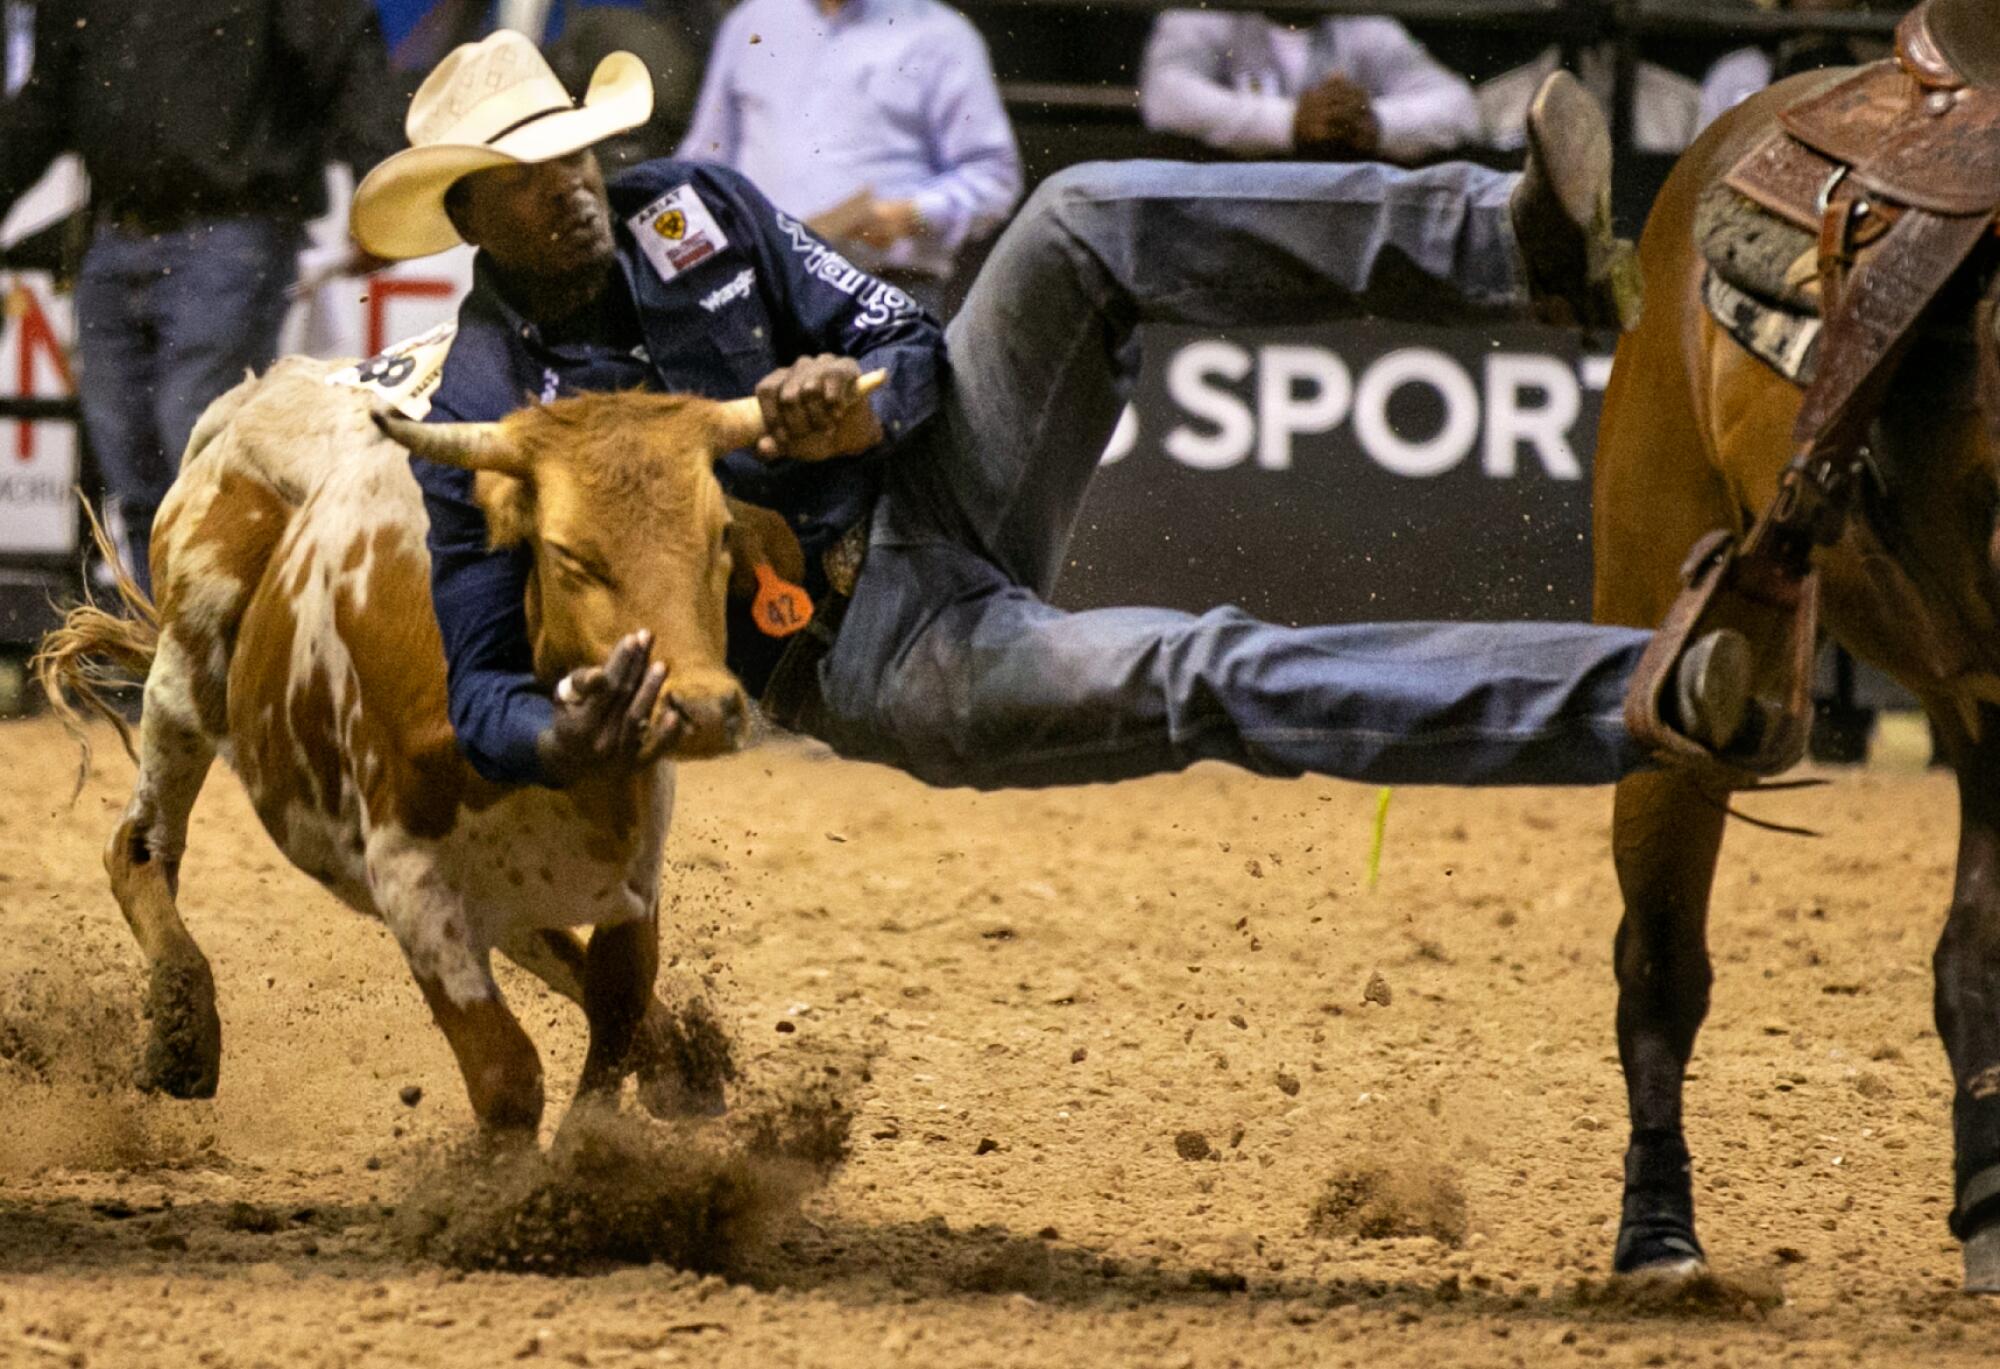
x: 781, y: 607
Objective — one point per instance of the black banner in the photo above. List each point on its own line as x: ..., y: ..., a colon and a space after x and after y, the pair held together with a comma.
x: 1363, y: 471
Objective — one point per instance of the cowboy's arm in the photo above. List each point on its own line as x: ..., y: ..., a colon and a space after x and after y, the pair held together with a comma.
x: 33, y: 121
x: 824, y: 305
x: 498, y: 709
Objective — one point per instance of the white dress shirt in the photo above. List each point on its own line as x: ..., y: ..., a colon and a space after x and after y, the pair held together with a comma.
x: 1666, y: 106
x: 1734, y: 78
x: 1233, y: 81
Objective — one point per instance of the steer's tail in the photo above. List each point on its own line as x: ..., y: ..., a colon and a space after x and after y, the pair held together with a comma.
x: 96, y: 650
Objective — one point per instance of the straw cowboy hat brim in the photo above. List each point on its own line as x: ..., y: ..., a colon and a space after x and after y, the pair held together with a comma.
x: 399, y: 207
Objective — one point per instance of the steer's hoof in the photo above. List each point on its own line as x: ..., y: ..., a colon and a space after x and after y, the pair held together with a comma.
x: 1982, y: 1260
x: 666, y: 1095
x: 183, y: 1055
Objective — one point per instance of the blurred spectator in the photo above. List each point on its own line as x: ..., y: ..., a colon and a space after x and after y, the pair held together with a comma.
x: 878, y: 121
x: 1740, y: 74
x: 1340, y: 89
x: 1666, y: 106
x: 205, y: 127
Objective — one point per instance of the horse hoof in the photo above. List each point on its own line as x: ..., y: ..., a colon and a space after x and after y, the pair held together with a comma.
x: 1674, y: 1269
x: 1665, y: 1248
x: 1982, y: 1260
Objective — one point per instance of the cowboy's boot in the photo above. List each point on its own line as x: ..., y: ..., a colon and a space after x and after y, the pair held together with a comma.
x: 1579, y: 272
x: 1726, y: 682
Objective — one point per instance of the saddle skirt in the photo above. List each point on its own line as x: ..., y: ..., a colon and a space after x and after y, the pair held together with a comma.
x: 1885, y: 183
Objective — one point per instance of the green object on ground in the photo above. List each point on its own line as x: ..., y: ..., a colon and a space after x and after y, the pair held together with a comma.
x: 1375, y: 842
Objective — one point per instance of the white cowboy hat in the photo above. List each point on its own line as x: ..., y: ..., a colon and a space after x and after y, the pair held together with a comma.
x: 490, y: 103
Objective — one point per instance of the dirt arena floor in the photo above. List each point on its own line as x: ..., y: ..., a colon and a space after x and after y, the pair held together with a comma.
x: 1139, y: 1076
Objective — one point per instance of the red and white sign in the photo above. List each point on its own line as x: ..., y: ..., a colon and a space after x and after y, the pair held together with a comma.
x: 37, y: 460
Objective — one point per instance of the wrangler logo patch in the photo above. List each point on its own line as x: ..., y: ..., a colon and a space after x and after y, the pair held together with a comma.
x: 738, y: 288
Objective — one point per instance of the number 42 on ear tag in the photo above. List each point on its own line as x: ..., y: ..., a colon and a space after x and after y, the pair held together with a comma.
x: 781, y: 607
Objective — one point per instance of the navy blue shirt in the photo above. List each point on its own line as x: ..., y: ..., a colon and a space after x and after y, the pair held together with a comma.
x: 715, y: 289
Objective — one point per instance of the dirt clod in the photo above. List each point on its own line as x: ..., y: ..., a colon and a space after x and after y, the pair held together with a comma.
x: 1376, y: 1201
x: 1706, y: 1294
x: 618, y: 1188
x: 1192, y: 1145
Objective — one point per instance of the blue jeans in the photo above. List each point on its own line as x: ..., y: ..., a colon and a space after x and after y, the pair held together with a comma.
x: 165, y: 323
x: 950, y: 663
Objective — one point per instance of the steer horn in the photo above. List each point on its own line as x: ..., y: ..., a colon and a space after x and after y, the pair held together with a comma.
x: 469, y: 446
x: 743, y: 419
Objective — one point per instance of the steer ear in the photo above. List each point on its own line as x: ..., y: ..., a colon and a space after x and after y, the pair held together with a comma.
x: 469, y: 446
x: 740, y: 422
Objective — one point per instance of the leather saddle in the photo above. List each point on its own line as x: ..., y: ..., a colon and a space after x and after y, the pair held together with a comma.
x: 1897, y: 171
x: 1965, y: 35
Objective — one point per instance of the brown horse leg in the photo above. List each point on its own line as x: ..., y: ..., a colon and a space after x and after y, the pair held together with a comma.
x: 680, y: 1056
x: 618, y: 975
x: 1665, y: 836
x: 183, y: 1053
x: 1967, y: 977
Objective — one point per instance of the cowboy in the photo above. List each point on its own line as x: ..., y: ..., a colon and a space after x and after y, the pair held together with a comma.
x: 962, y: 475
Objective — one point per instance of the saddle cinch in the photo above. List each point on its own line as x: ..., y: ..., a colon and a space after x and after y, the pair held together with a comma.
x: 1896, y: 170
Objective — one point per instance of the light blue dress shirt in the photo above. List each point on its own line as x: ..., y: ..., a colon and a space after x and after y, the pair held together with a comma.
x: 896, y: 97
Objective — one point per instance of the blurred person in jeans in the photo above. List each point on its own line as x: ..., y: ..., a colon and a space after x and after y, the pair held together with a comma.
x: 876, y: 121
x: 205, y: 127
x: 1341, y: 89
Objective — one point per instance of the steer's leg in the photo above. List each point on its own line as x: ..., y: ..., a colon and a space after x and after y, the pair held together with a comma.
x: 183, y: 1052
x: 680, y: 1054
x: 439, y: 937
x: 1967, y: 967
x: 503, y: 1074
x: 619, y: 969
x: 1665, y: 837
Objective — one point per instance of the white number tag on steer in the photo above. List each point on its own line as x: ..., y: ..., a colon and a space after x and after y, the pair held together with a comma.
x: 676, y: 232
x: 406, y: 375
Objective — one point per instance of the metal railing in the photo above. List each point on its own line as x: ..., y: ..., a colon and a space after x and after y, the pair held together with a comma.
x: 1627, y: 24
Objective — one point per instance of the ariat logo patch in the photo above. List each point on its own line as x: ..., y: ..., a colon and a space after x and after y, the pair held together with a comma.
x: 676, y: 232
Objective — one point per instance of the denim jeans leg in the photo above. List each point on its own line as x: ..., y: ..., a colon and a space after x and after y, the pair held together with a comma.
x: 951, y: 665
x: 221, y: 309
x: 1104, y: 247
x: 118, y: 381
x: 946, y: 669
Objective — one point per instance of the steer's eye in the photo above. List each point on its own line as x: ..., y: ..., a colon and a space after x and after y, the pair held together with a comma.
x: 572, y: 563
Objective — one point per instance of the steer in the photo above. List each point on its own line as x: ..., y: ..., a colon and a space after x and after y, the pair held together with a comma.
x: 294, y: 636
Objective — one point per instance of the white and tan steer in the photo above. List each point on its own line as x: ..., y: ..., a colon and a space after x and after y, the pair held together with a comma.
x: 294, y: 636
